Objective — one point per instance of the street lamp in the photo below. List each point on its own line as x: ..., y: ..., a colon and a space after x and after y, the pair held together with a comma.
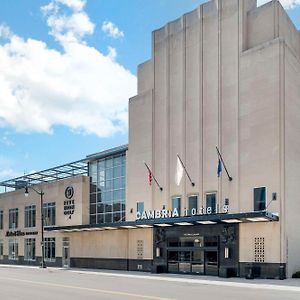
x: 41, y: 193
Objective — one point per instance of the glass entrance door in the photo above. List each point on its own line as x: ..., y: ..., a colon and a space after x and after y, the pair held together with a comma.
x: 211, y: 263
x: 66, y: 253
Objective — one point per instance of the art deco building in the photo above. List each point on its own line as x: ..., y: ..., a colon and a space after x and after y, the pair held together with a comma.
x: 225, y: 75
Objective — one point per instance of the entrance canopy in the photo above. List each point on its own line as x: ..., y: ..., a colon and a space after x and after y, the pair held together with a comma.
x: 249, y: 217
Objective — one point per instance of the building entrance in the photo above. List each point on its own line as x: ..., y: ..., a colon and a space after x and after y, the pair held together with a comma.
x: 66, y: 253
x: 194, y: 254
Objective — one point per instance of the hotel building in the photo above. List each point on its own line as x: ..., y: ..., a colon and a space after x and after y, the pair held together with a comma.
x: 225, y: 75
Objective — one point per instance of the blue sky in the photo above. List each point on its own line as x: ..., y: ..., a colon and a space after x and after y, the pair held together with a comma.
x: 67, y: 69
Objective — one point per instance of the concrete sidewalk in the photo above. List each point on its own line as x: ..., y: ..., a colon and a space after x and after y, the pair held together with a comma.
x: 287, y: 284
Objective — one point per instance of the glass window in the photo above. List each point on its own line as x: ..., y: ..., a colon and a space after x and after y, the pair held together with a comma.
x: 29, y: 249
x: 30, y: 216
x: 13, y: 218
x: 140, y: 207
x: 211, y: 201
x: 111, y: 189
x: 193, y: 205
x: 1, y: 219
x: 49, y: 214
x: 1, y: 249
x: 49, y: 244
x: 259, y: 198
x: 176, y: 203
x: 13, y: 249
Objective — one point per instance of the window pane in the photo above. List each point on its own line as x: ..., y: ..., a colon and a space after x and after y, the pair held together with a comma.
x: 259, y: 198
x: 176, y: 204
x: 193, y: 204
x: 211, y: 202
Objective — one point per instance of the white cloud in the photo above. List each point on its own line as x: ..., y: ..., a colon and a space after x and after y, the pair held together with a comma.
x: 287, y: 4
x: 80, y: 87
x: 112, y: 30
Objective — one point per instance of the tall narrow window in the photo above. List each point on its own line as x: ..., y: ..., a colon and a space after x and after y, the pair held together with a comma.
x: 30, y: 216
x: 13, y: 249
x: 13, y: 215
x: 1, y: 219
x: 29, y: 249
x: 140, y: 207
x: 49, y: 214
x: 176, y: 204
x: 211, y: 201
x: 193, y: 205
x: 49, y: 249
x: 259, y: 195
x: 1, y: 249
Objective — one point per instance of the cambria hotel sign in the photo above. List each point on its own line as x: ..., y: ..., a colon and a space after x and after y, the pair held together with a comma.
x: 165, y: 213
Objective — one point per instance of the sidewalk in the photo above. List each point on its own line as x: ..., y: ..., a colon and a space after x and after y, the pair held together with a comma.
x: 289, y: 284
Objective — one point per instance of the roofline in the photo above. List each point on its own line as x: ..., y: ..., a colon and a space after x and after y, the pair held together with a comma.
x: 105, y: 153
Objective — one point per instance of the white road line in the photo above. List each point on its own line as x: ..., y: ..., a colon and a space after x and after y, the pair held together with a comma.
x: 86, y: 289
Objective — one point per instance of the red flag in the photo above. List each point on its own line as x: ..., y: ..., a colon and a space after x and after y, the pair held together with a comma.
x: 150, y: 178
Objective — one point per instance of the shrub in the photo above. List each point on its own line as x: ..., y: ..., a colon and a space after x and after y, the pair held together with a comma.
x: 296, y: 275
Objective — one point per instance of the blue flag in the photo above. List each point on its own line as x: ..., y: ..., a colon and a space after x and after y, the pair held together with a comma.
x: 219, y: 169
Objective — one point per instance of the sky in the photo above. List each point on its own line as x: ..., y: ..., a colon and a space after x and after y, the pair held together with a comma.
x: 67, y: 70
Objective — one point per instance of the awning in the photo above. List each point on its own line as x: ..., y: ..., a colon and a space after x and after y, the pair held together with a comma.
x: 248, y: 217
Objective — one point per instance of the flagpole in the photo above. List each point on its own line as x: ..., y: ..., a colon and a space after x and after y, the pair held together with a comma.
x: 188, y: 175
x: 153, y: 176
x: 220, y: 156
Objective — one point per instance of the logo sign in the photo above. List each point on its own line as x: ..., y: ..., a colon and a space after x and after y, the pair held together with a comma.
x: 69, y: 205
x: 164, y: 213
x: 20, y: 233
x: 69, y: 192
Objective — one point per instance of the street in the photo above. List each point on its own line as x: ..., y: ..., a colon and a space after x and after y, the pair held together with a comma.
x: 34, y: 283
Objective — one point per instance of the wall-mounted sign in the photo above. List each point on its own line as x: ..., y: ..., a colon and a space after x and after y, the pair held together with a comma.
x: 69, y: 192
x: 164, y: 213
x: 20, y: 233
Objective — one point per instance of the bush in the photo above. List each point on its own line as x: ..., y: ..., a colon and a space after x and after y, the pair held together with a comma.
x: 296, y: 275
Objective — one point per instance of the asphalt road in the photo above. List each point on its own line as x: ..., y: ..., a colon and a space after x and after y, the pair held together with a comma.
x: 33, y: 283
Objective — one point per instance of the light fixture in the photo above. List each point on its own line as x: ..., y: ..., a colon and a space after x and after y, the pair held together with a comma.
x: 206, y: 222
x: 26, y: 193
x: 184, y: 223
x: 127, y: 227
x: 163, y: 225
x: 232, y: 221
x: 144, y: 226
x: 110, y: 228
x: 258, y: 219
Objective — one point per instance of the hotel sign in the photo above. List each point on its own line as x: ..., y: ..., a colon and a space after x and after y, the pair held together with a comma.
x: 20, y: 233
x: 165, y: 213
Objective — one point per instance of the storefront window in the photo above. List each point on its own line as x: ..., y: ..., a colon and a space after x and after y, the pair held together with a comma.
x: 13, y: 249
x: 13, y: 218
x: 107, y: 193
x: 49, y: 249
x: 1, y: 219
x: 29, y: 249
x: 259, y: 198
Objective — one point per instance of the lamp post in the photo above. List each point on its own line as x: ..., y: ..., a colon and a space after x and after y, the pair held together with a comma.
x: 41, y: 193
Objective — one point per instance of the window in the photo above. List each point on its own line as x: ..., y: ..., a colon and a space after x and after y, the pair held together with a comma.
x: 176, y: 204
x: 30, y: 215
x: 1, y: 249
x: 1, y: 219
x: 193, y: 205
x: 29, y: 249
x: 259, y: 198
x: 49, y: 249
x: 140, y: 207
x: 49, y: 214
x: 13, y: 218
x: 107, y: 189
x: 211, y: 201
x: 13, y: 249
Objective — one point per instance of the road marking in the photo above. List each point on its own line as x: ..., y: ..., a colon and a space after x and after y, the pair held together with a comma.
x: 87, y: 289
x: 198, y: 281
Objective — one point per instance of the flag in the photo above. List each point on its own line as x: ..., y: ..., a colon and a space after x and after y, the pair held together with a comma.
x: 219, y: 169
x: 150, y: 178
x: 179, y: 172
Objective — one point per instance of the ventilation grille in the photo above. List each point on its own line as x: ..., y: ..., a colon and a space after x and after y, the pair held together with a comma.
x: 259, y: 249
x: 140, y: 249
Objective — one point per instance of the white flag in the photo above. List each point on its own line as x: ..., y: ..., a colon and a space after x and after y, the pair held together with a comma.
x: 179, y: 172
